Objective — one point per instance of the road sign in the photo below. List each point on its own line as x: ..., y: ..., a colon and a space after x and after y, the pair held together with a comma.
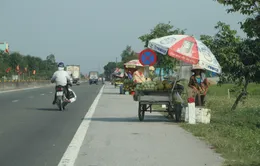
x: 147, y: 57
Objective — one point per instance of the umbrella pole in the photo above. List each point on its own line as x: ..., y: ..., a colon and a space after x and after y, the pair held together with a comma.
x: 177, y: 76
x: 180, y: 70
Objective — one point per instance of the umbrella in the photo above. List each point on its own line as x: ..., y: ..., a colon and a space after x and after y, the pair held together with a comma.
x: 119, y: 72
x: 133, y: 64
x: 187, y: 49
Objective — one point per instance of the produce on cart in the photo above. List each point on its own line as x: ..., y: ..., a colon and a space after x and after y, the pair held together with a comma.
x: 118, y: 77
x: 157, y: 93
x: 129, y: 85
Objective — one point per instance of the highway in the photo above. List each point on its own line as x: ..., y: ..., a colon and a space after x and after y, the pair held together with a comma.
x: 33, y: 132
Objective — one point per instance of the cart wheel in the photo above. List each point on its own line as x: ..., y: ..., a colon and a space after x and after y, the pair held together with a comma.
x: 141, y: 111
x: 177, y: 109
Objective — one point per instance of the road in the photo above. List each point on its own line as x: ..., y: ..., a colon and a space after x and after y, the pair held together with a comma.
x: 32, y: 130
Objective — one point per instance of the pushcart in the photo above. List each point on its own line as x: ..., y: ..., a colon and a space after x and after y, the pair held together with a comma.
x: 148, y: 98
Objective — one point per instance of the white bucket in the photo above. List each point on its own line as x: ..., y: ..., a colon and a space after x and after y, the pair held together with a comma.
x: 203, y: 115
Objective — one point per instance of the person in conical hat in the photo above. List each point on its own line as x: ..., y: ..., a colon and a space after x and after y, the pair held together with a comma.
x: 198, y: 84
x: 151, y: 73
x: 151, y: 68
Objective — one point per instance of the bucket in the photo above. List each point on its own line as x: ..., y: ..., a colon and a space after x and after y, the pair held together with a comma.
x: 203, y: 115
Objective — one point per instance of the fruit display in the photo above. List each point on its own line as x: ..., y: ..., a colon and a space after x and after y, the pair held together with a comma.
x: 129, y: 85
x: 155, y: 86
x: 118, y: 81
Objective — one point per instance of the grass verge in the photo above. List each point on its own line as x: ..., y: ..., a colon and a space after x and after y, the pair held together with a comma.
x: 235, y: 135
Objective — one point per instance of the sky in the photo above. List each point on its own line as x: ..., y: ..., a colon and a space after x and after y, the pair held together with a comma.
x: 92, y: 33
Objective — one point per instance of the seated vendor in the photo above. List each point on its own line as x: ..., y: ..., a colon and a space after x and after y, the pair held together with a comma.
x: 198, y: 85
x: 151, y: 73
x: 138, y: 76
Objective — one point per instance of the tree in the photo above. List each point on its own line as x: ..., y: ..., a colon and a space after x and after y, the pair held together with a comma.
x: 4, y: 63
x: 15, y: 60
x: 27, y: 64
x: 238, y: 58
x: 251, y: 25
x: 158, y: 31
x: 109, y: 69
x: 51, y: 59
x: 128, y: 54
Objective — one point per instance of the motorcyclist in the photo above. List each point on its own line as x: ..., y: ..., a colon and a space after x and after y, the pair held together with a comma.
x: 61, y: 78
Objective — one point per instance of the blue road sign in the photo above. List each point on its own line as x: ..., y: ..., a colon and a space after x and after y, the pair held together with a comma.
x: 147, y: 57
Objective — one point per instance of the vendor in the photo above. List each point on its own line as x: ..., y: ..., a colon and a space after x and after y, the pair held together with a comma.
x: 198, y: 85
x: 130, y: 76
x: 151, y: 73
x: 138, y: 76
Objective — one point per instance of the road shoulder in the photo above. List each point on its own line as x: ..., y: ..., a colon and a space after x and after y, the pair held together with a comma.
x: 117, y: 137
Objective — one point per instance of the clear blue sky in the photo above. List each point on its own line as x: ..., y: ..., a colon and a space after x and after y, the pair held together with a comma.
x: 91, y: 33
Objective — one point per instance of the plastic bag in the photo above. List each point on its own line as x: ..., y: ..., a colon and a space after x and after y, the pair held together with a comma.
x: 72, y: 96
x: 177, y: 98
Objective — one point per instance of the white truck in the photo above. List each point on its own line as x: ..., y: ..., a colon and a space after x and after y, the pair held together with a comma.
x: 75, y: 71
x: 93, y: 77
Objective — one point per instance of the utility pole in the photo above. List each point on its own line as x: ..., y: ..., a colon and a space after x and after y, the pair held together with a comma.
x: 116, y: 61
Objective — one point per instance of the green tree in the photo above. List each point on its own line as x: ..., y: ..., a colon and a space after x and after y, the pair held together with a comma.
x: 51, y: 59
x: 44, y: 68
x: 15, y: 60
x: 109, y: 68
x: 238, y: 58
x: 158, y: 31
x: 128, y: 54
x: 4, y: 63
x: 251, y: 25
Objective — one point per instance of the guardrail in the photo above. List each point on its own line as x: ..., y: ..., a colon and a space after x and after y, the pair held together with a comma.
x: 21, y: 84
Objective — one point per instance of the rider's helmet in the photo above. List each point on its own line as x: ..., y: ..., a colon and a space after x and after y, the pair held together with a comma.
x: 61, y: 64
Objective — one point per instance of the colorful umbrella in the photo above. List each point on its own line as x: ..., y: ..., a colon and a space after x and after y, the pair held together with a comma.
x: 119, y: 72
x: 133, y: 64
x: 187, y: 49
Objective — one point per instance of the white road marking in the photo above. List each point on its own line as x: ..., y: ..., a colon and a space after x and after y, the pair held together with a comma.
x: 14, y: 101
x: 24, y: 89
x: 42, y: 94
x: 50, y: 92
x: 71, y: 154
x: 30, y: 97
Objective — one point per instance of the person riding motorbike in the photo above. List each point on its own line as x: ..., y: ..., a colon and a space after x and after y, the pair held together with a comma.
x: 61, y: 78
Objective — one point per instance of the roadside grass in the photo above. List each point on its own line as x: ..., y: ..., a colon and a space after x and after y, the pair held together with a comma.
x: 235, y: 135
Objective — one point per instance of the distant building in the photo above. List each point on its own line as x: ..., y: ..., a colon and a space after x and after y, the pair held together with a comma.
x: 4, y: 47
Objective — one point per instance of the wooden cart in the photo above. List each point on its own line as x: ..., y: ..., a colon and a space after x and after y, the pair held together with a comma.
x: 149, y: 98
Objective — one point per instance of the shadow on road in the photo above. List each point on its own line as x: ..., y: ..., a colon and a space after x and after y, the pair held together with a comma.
x: 110, y: 93
x: 47, y: 109
x: 147, y: 118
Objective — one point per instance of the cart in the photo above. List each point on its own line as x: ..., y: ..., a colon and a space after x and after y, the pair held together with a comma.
x: 148, y: 98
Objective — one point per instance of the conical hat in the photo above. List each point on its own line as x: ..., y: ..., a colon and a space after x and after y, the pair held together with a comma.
x: 197, y: 67
x: 151, y: 68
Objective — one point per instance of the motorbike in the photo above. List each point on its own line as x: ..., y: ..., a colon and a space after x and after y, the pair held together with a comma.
x: 61, y: 99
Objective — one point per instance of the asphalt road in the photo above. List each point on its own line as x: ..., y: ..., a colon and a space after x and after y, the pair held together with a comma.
x: 32, y: 130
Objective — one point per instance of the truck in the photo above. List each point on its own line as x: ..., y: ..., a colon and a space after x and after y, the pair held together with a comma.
x: 75, y: 71
x: 93, y: 77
